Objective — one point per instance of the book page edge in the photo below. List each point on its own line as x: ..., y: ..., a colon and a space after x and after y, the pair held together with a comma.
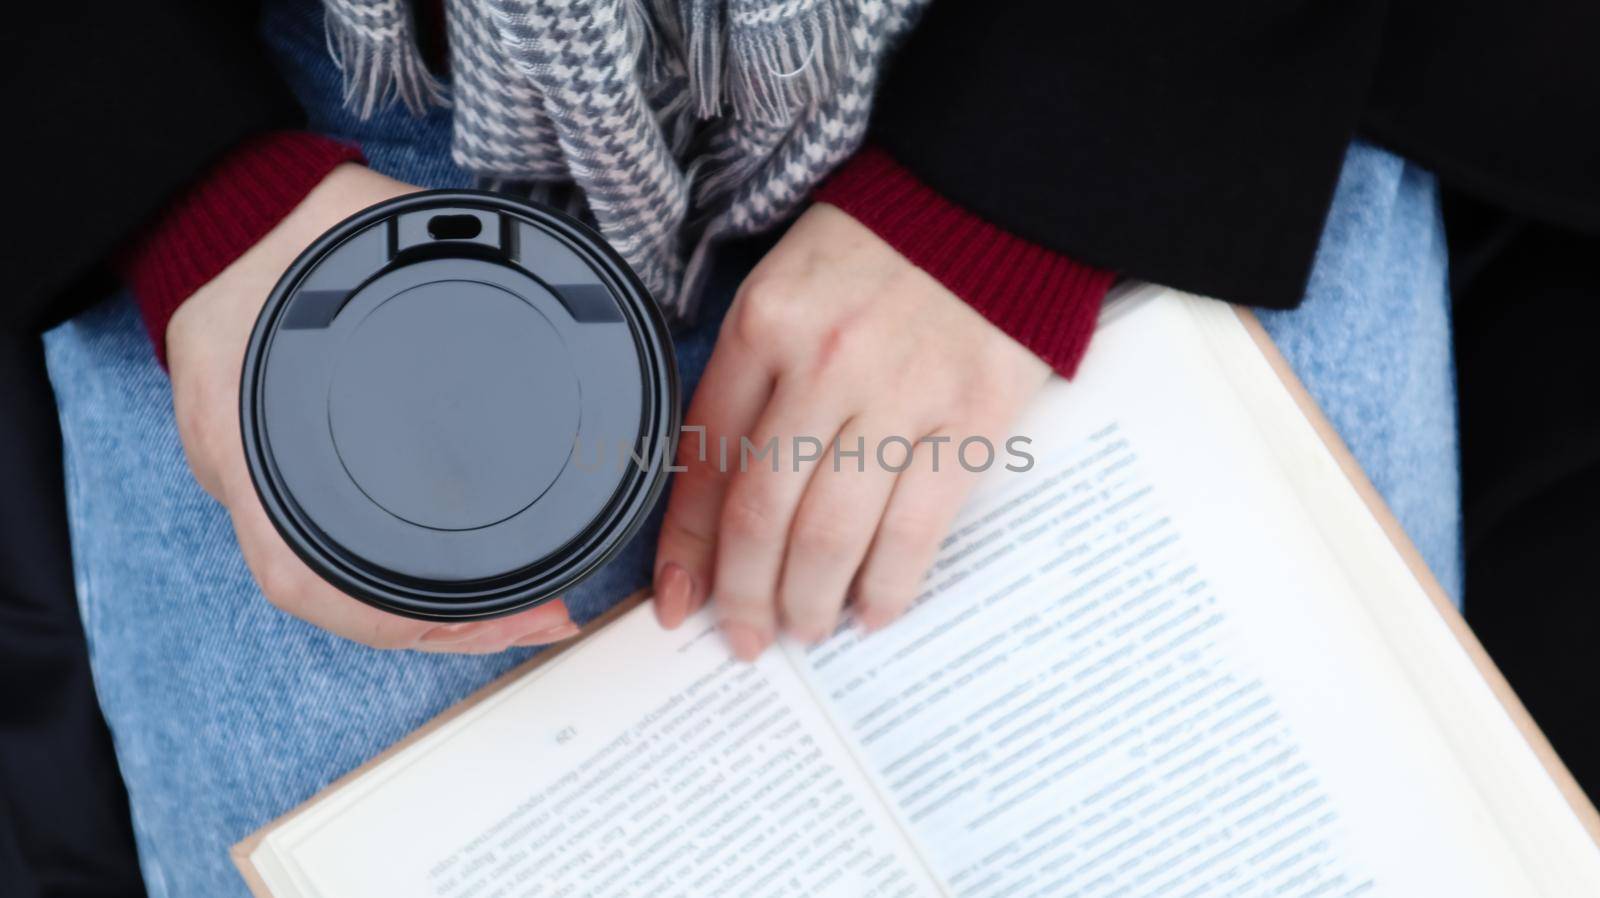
x: 242, y: 850
x: 1498, y: 685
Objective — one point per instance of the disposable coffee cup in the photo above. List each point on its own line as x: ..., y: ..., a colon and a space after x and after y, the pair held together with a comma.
x: 458, y: 405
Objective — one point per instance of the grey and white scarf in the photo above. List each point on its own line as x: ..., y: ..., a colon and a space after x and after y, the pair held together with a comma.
x: 680, y: 122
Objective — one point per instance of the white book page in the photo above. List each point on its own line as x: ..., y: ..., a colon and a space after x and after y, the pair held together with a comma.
x: 1139, y: 670
x: 639, y: 762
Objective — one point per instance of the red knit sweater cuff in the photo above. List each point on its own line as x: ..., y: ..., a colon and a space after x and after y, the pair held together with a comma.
x: 1044, y: 300
x: 227, y: 211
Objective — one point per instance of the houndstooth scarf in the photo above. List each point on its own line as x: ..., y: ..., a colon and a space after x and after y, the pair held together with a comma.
x: 679, y: 122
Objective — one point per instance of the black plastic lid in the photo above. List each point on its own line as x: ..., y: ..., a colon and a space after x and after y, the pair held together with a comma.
x: 446, y: 401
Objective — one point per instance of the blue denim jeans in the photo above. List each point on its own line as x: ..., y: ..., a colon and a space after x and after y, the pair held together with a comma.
x: 226, y: 713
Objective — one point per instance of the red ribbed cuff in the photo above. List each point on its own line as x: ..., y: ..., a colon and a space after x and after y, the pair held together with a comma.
x: 1044, y: 300
x: 227, y: 211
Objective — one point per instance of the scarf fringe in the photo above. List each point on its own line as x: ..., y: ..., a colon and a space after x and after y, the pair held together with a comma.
x: 777, y: 64
x: 655, y: 40
x: 380, y: 64
x: 706, y: 42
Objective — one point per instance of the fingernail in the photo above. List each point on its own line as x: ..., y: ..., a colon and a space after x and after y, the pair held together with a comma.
x: 674, y: 592
x: 548, y: 635
x: 746, y: 641
x: 445, y: 634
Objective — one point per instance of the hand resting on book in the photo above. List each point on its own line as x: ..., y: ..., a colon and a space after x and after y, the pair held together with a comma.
x: 833, y: 340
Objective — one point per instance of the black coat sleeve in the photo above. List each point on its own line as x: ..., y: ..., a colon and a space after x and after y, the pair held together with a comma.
x: 1191, y: 144
x: 113, y: 107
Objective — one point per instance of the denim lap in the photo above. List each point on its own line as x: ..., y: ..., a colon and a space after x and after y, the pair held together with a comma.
x: 1371, y: 342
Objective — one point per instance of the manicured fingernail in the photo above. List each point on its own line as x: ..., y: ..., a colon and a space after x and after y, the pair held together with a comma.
x: 446, y: 634
x: 746, y: 641
x: 548, y: 635
x: 674, y: 592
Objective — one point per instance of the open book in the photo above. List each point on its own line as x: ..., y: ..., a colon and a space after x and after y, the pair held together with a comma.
x: 1189, y: 653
